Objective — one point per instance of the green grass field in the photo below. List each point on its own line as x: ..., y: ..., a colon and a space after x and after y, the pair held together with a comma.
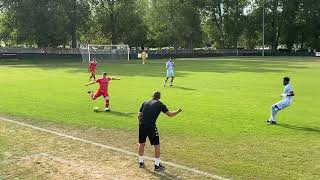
x: 226, y: 104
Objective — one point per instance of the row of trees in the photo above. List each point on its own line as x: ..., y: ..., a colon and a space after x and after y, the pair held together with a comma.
x: 161, y: 23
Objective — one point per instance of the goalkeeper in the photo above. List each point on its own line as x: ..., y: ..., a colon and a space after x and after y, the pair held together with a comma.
x: 144, y: 56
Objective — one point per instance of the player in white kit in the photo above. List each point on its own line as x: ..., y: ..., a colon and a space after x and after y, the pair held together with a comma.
x: 287, y: 100
x: 170, y: 71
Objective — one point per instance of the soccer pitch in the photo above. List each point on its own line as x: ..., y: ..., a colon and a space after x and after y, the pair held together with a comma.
x: 222, y: 129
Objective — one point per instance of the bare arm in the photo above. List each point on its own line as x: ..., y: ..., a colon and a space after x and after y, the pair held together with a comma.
x: 114, y: 78
x: 139, y: 117
x: 90, y: 83
x: 291, y: 93
x: 173, y: 113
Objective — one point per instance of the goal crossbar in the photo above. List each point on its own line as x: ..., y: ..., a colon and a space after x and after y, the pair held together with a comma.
x: 104, y: 52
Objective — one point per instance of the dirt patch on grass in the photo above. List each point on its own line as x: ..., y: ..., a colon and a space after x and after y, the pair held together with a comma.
x: 34, y: 154
x: 56, y: 167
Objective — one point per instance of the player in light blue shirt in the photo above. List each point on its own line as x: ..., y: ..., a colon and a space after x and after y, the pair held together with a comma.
x: 170, y: 71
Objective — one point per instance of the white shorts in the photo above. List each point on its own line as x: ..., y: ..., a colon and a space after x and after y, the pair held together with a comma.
x: 283, y: 104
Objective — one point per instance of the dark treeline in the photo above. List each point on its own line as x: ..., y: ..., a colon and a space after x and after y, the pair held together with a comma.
x: 161, y: 23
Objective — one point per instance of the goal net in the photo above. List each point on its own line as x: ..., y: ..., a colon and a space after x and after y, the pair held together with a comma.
x: 104, y: 52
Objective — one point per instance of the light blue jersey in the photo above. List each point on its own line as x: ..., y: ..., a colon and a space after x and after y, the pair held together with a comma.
x: 170, y: 65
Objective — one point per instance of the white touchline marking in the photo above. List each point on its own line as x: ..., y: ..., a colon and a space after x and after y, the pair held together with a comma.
x: 114, y: 149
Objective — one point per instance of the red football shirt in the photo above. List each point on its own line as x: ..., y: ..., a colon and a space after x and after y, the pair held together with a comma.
x: 104, y: 83
x: 93, y: 65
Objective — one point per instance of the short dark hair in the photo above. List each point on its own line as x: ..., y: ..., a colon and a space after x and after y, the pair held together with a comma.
x: 104, y: 73
x: 156, y: 95
x: 286, y: 79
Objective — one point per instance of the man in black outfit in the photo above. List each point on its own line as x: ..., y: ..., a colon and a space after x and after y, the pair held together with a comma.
x: 147, y: 117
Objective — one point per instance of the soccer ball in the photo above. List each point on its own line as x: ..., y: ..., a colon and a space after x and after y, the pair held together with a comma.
x: 96, y: 109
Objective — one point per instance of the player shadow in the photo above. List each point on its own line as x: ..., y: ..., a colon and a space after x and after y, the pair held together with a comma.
x: 161, y: 175
x: 117, y: 113
x: 300, y: 128
x: 183, y: 88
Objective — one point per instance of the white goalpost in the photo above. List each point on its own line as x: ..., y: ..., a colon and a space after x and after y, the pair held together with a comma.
x: 104, y: 52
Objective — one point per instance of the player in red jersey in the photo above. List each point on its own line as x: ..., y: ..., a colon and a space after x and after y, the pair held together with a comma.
x: 103, y: 88
x: 92, y: 68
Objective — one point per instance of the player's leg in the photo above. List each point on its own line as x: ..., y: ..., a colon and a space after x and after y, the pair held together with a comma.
x: 171, y: 74
x: 94, y: 96
x: 90, y: 77
x: 167, y: 77
x: 141, y: 153
x: 165, y: 81
x: 94, y: 75
x: 157, y: 164
x: 276, y: 108
x: 142, y: 142
x: 155, y: 141
x: 106, y: 97
x: 172, y: 78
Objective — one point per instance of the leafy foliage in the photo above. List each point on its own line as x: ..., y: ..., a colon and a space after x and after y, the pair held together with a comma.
x: 161, y: 23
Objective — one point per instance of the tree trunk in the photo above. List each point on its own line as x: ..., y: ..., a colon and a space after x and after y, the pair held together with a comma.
x: 221, y: 29
x: 74, y: 39
x: 113, y: 23
x: 113, y: 30
x: 275, y: 25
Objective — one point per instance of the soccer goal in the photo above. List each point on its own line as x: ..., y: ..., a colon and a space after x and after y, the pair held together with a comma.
x: 104, y: 52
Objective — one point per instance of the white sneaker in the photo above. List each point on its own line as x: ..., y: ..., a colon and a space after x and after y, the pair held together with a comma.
x: 270, y: 121
x: 106, y: 109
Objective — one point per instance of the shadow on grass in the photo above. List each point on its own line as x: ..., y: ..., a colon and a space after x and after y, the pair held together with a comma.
x: 182, y: 88
x: 161, y: 175
x: 156, y: 68
x: 117, y: 113
x: 300, y: 128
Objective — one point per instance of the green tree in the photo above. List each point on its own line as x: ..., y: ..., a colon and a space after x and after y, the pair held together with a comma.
x: 291, y: 9
x: 225, y: 19
x: 121, y: 21
x: 175, y: 23
x: 309, y: 24
x: 78, y: 14
x: 252, y: 32
x: 42, y: 26
x: 46, y: 22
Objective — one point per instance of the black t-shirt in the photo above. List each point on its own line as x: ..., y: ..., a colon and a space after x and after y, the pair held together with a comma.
x: 150, y: 112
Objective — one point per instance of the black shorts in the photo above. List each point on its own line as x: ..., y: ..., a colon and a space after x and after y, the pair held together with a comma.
x: 151, y: 133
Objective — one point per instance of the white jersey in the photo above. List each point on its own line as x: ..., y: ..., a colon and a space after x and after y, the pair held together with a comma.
x: 287, y: 90
x: 170, y: 65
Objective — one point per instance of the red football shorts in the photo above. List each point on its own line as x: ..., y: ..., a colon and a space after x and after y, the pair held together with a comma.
x: 101, y: 93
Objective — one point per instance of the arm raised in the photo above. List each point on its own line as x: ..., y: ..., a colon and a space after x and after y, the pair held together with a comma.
x: 173, y: 113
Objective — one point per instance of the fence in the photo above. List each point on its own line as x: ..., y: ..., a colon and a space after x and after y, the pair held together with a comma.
x: 21, y: 53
